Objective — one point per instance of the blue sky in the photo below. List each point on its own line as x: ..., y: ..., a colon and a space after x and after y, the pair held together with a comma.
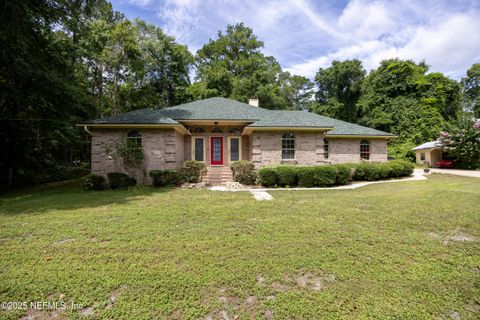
x: 304, y: 35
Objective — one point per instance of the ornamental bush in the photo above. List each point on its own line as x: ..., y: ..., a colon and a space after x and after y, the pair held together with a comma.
x: 367, y: 171
x: 166, y: 178
x: 462, y: 141
x: 385, y: 171
x: 286, y: 175
x: 118, y: 180
x: 267, y: 177
x: 93, y: 182
x: 305, y: 177
x: 325, y: 176
x: 193, y: 171
x: 244, y: 172
x: 407, y: 167
x: 396, y: 169
x: 344, y: 174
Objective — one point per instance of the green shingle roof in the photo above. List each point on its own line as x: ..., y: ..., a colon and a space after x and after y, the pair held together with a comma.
x: 227, y: 109
x: 347, y: 128
x: 215, y: 109
x: 141, y: 116
x: 277, y: 118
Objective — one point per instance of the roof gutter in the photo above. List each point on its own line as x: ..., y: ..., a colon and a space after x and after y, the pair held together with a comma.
x: 359, y: 136
x: 176, y: 126
x: 248, y: 130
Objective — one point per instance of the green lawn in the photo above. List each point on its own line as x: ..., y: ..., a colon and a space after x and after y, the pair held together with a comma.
x: 407, y: 250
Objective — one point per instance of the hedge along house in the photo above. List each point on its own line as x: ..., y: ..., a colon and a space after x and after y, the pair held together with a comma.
x: 218, y: 131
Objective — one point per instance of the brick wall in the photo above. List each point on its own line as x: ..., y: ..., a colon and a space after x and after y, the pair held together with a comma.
x: 348, y: 150
x: 266, y: 148
x: 163, y: 149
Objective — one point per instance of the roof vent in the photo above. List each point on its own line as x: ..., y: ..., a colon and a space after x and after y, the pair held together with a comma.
x: 253, y: 101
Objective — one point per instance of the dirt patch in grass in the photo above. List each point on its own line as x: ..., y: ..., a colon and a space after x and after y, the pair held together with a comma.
x: 86, y: 312
x: 64, y: 241
x: 114, y: 295
x: 35, y: 314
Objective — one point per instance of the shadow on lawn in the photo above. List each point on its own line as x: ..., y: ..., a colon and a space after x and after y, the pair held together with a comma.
x: 67, y: 195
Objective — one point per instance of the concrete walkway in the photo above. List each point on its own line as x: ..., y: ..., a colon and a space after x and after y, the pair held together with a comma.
x: 457, y: 172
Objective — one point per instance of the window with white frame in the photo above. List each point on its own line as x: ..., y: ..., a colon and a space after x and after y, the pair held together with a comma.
x: 288, y: 146
x: 134, y: 140
x: 364, y: 150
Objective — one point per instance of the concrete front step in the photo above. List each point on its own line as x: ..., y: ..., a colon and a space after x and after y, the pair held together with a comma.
x: 218, y: 175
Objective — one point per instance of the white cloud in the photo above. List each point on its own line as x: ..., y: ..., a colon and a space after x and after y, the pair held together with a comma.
x: 140, y: 3
x: 366, y: 20
x: 451, y: 45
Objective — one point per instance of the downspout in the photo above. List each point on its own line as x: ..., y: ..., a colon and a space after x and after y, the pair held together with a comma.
x: 86, y: 130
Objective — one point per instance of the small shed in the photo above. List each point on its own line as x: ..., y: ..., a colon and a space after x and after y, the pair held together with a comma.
x: 430, y: 152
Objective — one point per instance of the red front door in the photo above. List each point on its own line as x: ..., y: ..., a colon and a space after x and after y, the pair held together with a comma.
x: 216, y: 150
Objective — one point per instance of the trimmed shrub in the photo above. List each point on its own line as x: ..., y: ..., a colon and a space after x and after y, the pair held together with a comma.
x: 166, y: 178
x: 325, y: 175
x: 305, y: 177
x: 367, y: 171
x: 344, y: 174
x: 396, y: 169
x: 193, y: 171
x: 407, y: 167
x: 120, y: 180
x: 93, y: 182
x: 385, y: 171
x: 286, y: 175
x: 267, y: 177
x: 244, y: 172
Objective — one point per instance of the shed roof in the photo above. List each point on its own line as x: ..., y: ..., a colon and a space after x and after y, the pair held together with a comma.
x: 428, y: 145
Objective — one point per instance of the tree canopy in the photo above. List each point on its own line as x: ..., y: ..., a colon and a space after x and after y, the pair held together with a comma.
x: 471, y: 88
x: 339, y: 89
x: 233, y: 66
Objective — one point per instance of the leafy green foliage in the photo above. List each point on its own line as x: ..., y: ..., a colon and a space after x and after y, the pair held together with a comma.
x: 339, y: 89
x: 193, y: 171
x: 471, y: 89
x: 325, y: 176
x: 117, y: 180
x: 462, y: 141
x: 233, y: 66
x: 286, y: 175
x: 344, y: 174
x: 367, y: 171
x: 305, y: 177
x: 166, y: 178
x: 399, y: 97
x: 93, y: 182
x: 267, y: 177
x: 244, y: 172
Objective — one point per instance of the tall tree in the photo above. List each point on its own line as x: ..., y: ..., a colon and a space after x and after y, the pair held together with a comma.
x: 38, y: 100
x: 339, y: 88
x: 471, y: 89
x: 164, y: 77
x: 233, y: 66
x: 401, y: 98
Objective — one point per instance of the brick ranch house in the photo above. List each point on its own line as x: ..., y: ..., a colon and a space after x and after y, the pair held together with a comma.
x: 218, y: 131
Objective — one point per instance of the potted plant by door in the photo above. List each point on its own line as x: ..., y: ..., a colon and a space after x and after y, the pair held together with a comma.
x: 426, y: 165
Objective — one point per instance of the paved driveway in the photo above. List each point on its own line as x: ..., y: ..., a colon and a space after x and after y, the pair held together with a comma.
x: 465, y: 173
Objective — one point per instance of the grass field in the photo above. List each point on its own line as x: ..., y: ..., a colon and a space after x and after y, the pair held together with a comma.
x: 407, y: 250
